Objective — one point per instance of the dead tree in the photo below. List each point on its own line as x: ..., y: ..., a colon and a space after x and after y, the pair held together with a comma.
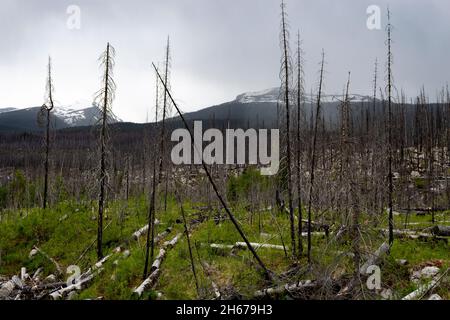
x: 46, y: 109
x: 286, y: 79
x: 300, y: 99
x: 104, y: 99
x: 150, y: 240
x: 162, y: 163
x: 313, y: 154
x: 390, y: 175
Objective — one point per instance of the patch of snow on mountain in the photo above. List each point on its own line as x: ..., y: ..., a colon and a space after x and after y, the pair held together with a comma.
x: 269, y: 95
x: 272, y: 96
x: 73, y: 114
x: 68, y: 115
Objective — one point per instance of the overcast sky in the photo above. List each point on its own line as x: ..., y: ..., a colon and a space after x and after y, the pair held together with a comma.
x: 220, y: 48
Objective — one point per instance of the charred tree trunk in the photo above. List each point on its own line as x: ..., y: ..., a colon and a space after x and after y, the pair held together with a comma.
x: 313, y: 156
x: 106, y: 95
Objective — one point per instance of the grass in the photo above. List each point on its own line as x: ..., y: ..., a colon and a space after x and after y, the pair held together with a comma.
x: 67, y: 229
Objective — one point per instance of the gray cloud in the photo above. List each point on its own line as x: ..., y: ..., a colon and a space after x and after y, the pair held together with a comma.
x: 220, y: 48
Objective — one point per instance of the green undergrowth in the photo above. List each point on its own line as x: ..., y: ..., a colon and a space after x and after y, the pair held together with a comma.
x: 68, y: 229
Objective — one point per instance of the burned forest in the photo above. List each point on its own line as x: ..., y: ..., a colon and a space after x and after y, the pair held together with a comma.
x: 292, y: 193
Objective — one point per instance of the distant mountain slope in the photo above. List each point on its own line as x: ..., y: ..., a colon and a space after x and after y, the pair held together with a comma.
x: 251, y: 109
x: 12, y: 119
x: 7, y: 109
x: 255, y: 109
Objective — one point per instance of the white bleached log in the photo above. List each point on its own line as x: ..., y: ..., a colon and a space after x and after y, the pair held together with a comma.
x: 157, y: 263
x: 155, y: 270
x: 286, y: 288
x: 423, y: 289
x: 221, y: 246
x: 375, y: 258
x: 136, y: 235
x: 148, y: 283
x: 79, y: 285
x: 6, y: 289
x: 243, y: 245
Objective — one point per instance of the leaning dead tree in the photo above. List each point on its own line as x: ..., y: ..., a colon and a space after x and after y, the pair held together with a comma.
x: 150, y: 242
x: 267, y: 272
x: 104, y: 99
x: 44, y: 117
x: 286, y: 71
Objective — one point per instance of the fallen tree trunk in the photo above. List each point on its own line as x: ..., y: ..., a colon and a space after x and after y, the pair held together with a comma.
x: 81, y: 284
x: 243, y: 245
x: 443, y: 231
x: 375, y: 258
x: 147, y: 284
x: 136, y: 235
x: 415, y: 235
x: 422, y: 290
x: 155, y: 270
x: 6, y: 289
x: 286, y: 289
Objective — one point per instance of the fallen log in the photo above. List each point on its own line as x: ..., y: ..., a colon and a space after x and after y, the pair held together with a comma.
x: 221, y: 246
x: 442, y: 231
x: 148, y: 283
x: 155, y: 270
x: 79, y: 285
x: 243, y: 245
x: 375, y: 258
x: 422, y: 290
x: 6, y: 289
x: 159, y: 258
x: 414, y: 235
x: 136, y: 235
x: 286, y: 289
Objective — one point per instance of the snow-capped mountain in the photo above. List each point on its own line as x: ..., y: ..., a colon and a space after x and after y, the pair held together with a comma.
x: 75, y: 115
x: 268, y: 95
x: 256, y: 109
x: 272, y: 95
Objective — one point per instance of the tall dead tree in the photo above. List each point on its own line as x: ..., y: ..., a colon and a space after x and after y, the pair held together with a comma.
x: 286, y: 71
x: 104, y: 99
x: 163, y: 168
x: 45, y: 111
x: 150, y: 241
x: 313, y: 154
x: 300, y: 99
x: 389, y: 89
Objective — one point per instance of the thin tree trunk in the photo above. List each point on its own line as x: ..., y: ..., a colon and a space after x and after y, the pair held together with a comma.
x: 288, y: 133
x: 313, y: 156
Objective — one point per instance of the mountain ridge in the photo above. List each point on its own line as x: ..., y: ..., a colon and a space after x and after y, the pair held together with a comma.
x: 25, y: 119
